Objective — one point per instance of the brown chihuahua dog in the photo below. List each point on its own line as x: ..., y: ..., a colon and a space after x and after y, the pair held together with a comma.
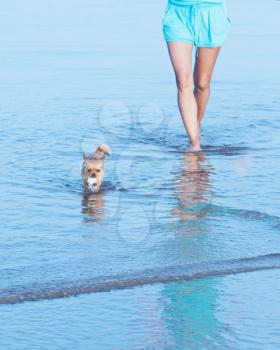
x: 93, y: 168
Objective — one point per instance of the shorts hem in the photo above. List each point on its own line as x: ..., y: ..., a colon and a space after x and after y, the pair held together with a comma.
x: 208, y: 46
x: 211, y: 46
x: 180, y: 40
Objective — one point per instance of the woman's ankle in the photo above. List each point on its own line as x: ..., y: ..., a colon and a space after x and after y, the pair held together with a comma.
x: 195, y: 144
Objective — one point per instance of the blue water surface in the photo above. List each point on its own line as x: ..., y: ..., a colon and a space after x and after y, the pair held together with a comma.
x: 77, y: 74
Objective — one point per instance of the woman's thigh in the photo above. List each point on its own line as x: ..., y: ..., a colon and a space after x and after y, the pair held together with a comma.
x: 180, y: 54
x: 204, y: 65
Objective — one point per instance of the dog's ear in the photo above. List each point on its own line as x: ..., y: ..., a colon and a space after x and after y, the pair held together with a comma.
x: 85, y: 157
x: 104, y: 149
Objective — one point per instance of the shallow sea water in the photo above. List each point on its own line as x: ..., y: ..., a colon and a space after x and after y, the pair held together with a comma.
x: 163, y: 245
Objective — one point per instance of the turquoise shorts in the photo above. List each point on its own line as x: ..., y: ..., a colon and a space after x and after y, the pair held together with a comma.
x: 202, y: 24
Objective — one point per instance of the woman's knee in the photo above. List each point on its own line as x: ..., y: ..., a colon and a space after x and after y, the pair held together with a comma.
x: 203, y: 84
x: 184, y: 82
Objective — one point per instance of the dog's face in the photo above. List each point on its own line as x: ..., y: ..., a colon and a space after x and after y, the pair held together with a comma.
x: 93, y: 168
x: 93, y: 173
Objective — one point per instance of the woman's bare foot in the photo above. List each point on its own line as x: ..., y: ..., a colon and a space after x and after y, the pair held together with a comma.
x: 195, y: 145
x: 194, y: 149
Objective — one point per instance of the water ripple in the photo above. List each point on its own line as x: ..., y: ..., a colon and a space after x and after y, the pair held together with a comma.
x: 147, y: 277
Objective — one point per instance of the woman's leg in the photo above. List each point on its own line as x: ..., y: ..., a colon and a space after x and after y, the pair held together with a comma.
x: 204, y: 67
x: 181, y: 58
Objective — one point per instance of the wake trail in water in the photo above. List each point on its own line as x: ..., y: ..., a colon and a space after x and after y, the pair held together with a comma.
x: 146, y: 277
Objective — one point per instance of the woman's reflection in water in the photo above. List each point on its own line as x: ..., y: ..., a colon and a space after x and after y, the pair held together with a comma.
x: 193, y: 191
x: 189, y: 308
x: 93, y: 206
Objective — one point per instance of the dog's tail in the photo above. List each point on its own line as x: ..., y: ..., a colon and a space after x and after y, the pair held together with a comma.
x: 102, y: 149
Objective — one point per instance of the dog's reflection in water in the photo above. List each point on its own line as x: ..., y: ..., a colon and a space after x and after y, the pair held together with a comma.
x: 93, y: 206
x: 193, y: 189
